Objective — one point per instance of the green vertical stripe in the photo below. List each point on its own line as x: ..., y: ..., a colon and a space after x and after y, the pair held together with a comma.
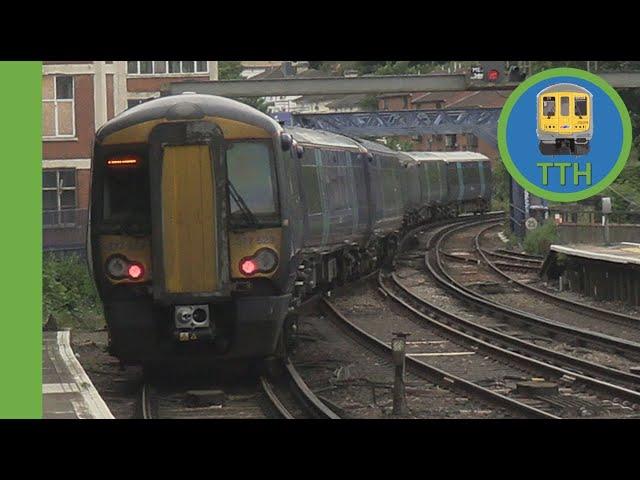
x: 21, y: 249
x: 460, y: 181
x: 323, y: 196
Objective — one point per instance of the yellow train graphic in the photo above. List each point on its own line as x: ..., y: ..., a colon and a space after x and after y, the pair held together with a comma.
x: 565, y: 120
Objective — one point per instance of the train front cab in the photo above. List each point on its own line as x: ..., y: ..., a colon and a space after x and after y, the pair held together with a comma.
x: 188, y: 243
x: 564, y: 120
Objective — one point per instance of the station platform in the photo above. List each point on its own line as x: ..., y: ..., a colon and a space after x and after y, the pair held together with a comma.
x: 67, y: 391
x: 604, y: 272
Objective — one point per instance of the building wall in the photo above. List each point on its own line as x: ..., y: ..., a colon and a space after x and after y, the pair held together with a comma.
x: 101, y: 91
x: 80, y: 145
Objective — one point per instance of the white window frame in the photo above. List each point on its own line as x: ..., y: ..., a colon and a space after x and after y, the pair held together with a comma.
x: 59, y: 188
x: 55, y: 102
x: 166, y: 69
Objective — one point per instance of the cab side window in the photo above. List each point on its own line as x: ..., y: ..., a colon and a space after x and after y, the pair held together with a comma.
x: 549, y: 106
x: 564, y: 106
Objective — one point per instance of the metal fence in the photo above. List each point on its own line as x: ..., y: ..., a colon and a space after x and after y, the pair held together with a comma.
x: 64, y: 229
x: 594, y: 217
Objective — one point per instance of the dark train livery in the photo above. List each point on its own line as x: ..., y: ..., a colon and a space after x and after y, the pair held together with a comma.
x: 210, y: 223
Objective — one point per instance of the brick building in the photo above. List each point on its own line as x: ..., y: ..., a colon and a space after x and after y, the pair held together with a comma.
x: 446, y: 100
x: 77, y: 98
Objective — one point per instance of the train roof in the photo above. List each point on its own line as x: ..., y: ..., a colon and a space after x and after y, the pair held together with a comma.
x: 321, y: 137
x: 463, y: 157
x: 376, y: 147
x: 564, y: 87
x: 424, y: 156
x: 448, y: 156
x: 189, y: 106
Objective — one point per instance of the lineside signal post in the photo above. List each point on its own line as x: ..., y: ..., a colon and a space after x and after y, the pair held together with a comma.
x: 398, y: 347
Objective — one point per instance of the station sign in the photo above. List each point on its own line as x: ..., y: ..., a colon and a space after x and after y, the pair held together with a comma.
x: 564, y: 134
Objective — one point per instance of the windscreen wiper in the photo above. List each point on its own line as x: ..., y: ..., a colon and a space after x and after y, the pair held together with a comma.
x: 248, y: 215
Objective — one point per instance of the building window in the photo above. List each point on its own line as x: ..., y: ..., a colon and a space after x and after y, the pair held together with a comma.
x: 58, y: 109
x: 59, y: 197
x: 450, y: 141
x: 472, y: 141
x: 163, y: 67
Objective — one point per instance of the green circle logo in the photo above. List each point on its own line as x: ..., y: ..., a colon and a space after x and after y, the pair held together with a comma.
x: 564, y: 134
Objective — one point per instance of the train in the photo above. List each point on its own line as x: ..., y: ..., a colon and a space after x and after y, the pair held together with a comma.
x: 565, y: 120
x: 210, y: 223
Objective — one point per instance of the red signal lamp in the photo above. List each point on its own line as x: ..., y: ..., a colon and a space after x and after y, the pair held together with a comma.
x: 493, y: 75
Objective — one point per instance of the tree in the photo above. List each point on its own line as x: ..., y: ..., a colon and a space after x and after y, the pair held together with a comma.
x: 229, y: 70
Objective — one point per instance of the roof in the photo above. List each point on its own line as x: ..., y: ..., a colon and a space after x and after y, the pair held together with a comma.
x: 625, y: 252
x: 463, y: 157
x: 375, y: 146
x: 476, y: 99
x: 425, y: 156
x: 321, y: 137
x: 189, y: 106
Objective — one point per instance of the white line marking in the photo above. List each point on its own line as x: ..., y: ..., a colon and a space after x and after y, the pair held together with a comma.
x: 50, y: 388
x: 94, y: 402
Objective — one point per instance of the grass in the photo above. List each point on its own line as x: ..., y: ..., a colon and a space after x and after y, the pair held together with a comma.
x: 538, y: 241
x: 68, y: 292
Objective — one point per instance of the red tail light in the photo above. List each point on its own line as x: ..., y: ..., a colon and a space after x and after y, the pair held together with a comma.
x: 135, y: 271
x: 248, y: 266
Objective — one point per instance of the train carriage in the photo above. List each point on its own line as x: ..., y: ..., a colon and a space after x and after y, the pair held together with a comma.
x: 386, y: 191
x: 189, y: 231
x: 564, y: 120
x: 210, y: 223
x: 432, y: 175
x: 468, y: 180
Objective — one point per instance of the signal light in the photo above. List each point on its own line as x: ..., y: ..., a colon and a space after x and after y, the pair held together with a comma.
x: 135, y: 271
x: 248, y: 266
x: 493, y: 75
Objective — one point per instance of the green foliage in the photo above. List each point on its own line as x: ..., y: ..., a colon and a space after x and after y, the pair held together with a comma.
x: 500, y: 187
x: 399, y: 144
x: 369, y: 103
x: 229, y: 70
x: 68, y: 292
x: 538, y: 241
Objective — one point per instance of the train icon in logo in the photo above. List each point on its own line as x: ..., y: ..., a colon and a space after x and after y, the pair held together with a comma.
x: 565, y: 120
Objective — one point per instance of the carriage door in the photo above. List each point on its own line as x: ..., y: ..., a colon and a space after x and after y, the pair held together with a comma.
x: 188, y: 234
x: 566, y: 119
x: 549, y: 119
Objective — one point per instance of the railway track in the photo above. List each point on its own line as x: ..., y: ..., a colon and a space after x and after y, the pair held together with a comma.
x: 493, y: 374
x: 286, y: 397
x: 435, y: 265
x: 598, y: 313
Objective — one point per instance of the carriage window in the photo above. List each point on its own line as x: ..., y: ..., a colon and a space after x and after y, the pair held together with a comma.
x: 581, y: 106
x: 250, y: 171
x: 126, y: 195
x: 564, y: 106
x: 549, y: 106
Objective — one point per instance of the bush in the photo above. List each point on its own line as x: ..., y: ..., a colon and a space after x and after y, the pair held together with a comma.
x: 68, y: 292
x: 537, y: 242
